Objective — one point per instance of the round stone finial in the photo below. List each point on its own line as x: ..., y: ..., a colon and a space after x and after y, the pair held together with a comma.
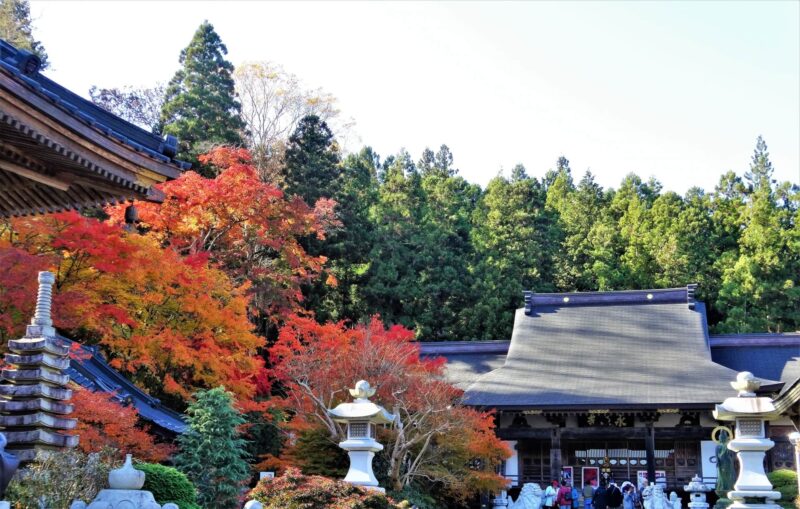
x: 253, y: 504
x: 126, y: 477
x: 747, y: 384
x: 363, y: 390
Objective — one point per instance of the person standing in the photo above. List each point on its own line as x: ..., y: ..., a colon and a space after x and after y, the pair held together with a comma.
x: 588, y: 493
x: 576, y: 497
x: 614, y: 496
x: 628, y: 496
x: 550, y: 493
x: 564, y: 496
x: 600, y: 499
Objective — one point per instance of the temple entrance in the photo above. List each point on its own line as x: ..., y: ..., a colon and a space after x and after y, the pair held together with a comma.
x: 676, y: 461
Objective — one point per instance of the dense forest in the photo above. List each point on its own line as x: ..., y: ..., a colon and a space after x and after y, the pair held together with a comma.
x: 420, y: 246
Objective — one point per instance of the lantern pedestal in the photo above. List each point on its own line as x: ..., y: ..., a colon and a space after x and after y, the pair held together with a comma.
x: 361, y: 453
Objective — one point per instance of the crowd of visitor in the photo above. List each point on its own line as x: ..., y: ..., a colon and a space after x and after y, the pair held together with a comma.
x: 611, y: 496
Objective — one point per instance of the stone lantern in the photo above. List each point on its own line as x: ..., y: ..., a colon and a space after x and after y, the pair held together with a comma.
x: 360, y: 418
x: 752, y: 488
x: 697, y: 493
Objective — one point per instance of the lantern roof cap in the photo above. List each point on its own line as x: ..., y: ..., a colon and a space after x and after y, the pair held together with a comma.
x: 362, y: 408
x: 746, y: 403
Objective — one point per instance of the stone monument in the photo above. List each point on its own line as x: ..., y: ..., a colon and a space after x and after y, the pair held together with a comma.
x: 697, y: 493
x: 360, y: 418
x: 124, y: 492
x: 752, y: 489
x: 660, y: 500
x: 33, y: 393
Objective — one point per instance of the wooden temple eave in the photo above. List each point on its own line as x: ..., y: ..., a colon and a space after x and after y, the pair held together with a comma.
x: 52, y: 159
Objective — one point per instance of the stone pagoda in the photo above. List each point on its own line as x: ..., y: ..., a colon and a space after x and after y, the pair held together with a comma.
x: 33, y: 385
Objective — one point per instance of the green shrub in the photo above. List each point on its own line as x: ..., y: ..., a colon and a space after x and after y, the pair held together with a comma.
x: 785, y: 481
x: 167, y: 484
x: 293, y: 490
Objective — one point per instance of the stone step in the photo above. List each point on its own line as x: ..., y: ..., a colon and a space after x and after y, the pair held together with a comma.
x: 31, y: 405
x: 34, y: 391
x: 40, y: 436
x: 27, y: 345
x: 43, y: 358
x: 34, y: 375
x: 37, y: 419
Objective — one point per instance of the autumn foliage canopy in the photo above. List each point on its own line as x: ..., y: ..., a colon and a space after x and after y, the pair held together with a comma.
x: 171, y: 304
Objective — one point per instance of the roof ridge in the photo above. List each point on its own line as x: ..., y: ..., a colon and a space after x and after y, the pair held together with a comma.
x: 650, y: 296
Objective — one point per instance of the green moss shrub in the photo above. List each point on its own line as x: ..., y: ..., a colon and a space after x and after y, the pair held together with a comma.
x: 167, y: 484
x: 785, y: 481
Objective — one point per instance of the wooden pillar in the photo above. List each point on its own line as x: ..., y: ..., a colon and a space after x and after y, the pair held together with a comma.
x: 555, y: 454
x: 650, y: 451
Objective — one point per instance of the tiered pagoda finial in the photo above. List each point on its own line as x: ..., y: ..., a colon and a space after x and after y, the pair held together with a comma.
x: 33, y: 387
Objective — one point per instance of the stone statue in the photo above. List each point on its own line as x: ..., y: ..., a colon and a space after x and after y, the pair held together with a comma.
x: 647, y: 495
x: 8, y: 465
x: 660, y: 500
x: 725, y: 470
x: 529, y: 498
x: 674, y: 501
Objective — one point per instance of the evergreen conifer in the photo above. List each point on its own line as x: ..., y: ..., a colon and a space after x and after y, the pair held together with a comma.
x: 212, y: 453
x: 200, y: 107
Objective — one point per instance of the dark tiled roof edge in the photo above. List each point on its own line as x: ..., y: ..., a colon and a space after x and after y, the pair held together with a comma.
x: 90, y: 370
x: 756, y: 339
x: 89, y: 113
x: 632, y: 297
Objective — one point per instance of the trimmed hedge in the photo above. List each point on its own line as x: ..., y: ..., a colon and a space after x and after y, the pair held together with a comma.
x: 167, y: 484
x: 785, y: 481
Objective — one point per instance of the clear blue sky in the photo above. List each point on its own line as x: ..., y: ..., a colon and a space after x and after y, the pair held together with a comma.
x: 675, y: 90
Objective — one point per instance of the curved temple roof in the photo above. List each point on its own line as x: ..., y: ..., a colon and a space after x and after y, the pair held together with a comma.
x: 630, y: 349
x: 91, y: 371
x: 59, y: 151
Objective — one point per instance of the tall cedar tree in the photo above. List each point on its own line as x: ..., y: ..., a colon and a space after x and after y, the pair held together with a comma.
x: 212, y: 453
x: 200, y: 107
x: 312, y: 172
x: 312, y: 161
x: 16, y: 27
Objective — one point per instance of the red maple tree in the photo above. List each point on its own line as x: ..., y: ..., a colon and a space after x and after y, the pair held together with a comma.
x: 103, y: 422
x: 435, y: 437
x: 247, y: 227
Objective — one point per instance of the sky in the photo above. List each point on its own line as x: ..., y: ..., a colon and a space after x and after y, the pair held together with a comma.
x: 674, y: 90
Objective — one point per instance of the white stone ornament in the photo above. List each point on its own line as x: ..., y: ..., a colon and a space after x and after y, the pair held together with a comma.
x: 253, y: 504
x: 659, y: 498
x: 360, y: 418
x: 125, y: 491
x: 126, y: 477
x: 697, y: 493
x: 752, y: 489
x: 674, y: 501
x: 530, y: 497
x: 647, y: 496
x: 747, y: 384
